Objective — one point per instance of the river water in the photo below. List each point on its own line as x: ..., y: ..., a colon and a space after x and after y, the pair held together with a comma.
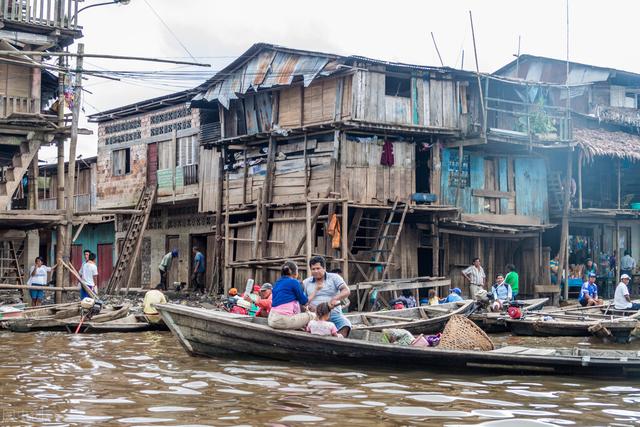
x: 147, y: 379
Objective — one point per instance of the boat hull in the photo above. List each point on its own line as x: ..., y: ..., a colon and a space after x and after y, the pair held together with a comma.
x: 213, y: 334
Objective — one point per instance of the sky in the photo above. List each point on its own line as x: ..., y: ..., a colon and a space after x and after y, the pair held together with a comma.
x: 212, y: 32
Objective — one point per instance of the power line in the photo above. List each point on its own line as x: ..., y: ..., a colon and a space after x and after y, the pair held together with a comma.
x: 171, y: 31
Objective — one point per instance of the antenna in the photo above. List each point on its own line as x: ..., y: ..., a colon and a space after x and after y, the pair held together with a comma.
x: 518, y: 58
x: 462, y: 64
x: 436, y: 46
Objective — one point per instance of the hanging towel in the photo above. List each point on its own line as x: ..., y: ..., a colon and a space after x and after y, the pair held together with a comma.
x: 334, y: 231
x: 387, y: 154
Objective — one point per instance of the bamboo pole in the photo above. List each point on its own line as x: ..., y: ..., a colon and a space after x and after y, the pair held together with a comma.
x: 580, y: 157
x: 40, y: 288
x: 564, y: 232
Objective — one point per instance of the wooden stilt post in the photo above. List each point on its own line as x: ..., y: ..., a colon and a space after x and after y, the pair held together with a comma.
x: 345, y: 240
x: 309, y: 238
x: 580, y: 157
x: 435, y: 248
x: 564, y: 232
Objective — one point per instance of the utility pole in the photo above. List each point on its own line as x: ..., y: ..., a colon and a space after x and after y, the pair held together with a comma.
x: 71, y: 170
x: 60, y: 240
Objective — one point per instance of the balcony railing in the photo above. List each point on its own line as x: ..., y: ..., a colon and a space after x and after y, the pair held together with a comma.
x: 83, y: 203
x: 60, y: 14
x: 10, y: 104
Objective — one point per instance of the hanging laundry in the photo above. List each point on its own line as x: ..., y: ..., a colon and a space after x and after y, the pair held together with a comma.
x: 387, y: 154
x: 334, y: 231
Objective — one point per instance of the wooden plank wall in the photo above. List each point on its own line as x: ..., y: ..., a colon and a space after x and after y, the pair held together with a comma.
x: 372, y: 183
x: 208, y: 180
x: 525, y: 176
x: 433, y: 101
x: 522, y: 253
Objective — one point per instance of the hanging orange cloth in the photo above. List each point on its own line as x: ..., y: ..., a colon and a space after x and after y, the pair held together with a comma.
x: 334, y: 231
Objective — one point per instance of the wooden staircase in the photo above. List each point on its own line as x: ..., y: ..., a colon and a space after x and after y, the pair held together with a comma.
x: 378, y: 235
x: 15, y: 171
x: 554, y: 188
x: 123, y: 270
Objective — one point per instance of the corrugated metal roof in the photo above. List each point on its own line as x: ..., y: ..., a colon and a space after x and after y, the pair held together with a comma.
x: 267, y: 69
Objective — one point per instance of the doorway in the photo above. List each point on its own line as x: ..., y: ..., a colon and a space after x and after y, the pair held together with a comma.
x: 105, y: 263
x: 173, y: 242
x: 76, y: 256
x: 423, y: 179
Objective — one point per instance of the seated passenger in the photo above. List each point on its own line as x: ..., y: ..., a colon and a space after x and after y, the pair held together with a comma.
x: 454, y: 296
x: 322, y: 326
x: 264, y: 300
x: 502, y: 293
x: 407, y: 300
x: 330, y: 288
x: 589, y: 292
x: 287, y: 299
x: 433, y: 297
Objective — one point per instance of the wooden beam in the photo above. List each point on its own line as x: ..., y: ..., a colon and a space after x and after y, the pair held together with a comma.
x: 309, y: 237
x: 40, y: 288
x: 493, y: 194
x: 508, y: 219
x: 580, y: 156
x: 402, y: 285
x: 345, y: 240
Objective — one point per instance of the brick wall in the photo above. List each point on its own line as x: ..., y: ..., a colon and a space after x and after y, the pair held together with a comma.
x: 135, y: 132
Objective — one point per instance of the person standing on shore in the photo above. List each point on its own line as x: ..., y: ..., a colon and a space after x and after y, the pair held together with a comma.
x: 38, y: 277
x: 164, y: 267
x: 476, y: 277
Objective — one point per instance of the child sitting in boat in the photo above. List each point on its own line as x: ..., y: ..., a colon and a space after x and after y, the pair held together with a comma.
x: 322, y: 325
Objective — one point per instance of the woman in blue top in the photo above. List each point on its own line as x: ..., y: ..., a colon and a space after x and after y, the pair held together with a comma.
x: 287, y: 299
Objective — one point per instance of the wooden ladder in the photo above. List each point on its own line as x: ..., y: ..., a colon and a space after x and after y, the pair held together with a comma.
x: 554, y: 187
x: 121, y: 275
x: 386, y: 230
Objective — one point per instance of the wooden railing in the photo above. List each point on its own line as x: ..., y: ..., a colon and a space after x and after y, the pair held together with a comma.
x: 16, y: 104
x: 49, y: 13
x: 83, y: 203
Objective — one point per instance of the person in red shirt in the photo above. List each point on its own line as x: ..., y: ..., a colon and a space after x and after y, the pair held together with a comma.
x: 264, y: 301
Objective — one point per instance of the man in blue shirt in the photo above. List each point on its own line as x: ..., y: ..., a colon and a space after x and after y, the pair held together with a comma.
x: 197, y: 277
x: 454, y: 296
x: 589, y: 292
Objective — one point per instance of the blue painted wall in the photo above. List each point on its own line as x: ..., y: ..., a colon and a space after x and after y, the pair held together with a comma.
x: 90, y: 236
x: 530, y: 175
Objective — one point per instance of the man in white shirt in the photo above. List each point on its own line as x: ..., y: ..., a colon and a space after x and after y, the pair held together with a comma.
x: 627, y: 264
x: 89, y: 274
x: 621, y: 299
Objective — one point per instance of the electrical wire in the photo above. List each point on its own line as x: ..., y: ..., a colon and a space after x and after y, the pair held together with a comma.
x: 170, y: 30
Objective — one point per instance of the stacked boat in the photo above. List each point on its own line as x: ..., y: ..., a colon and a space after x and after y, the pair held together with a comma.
x: 74, y: 318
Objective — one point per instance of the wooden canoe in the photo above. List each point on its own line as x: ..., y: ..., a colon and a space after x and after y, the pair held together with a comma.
x: 496, y: 322
x: 426, y: 319
x: 568, y: 324
x: 130, y: 323
x: 211, y: 333
x: 61, y: 317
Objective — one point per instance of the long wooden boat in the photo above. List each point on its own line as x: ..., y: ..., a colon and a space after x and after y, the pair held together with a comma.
x: 57, y: 318
x: 212, y: 333
x: 496, y: 322
x: 582, y: 324
x: 130, y: 323
x: 427, y: 319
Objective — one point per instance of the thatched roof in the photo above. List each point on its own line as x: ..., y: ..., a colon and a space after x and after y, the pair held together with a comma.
x: 598, y: 142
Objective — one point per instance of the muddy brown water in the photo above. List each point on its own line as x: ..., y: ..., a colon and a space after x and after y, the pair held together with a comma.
x: 56, y: 379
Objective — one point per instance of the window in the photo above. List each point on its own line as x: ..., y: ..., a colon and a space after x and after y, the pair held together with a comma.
x: 164, y: 155
x: 397, y: 86
x: 632, y: 100
x: 187, y: 151
x: 121, y: 162
x: 458, y: 179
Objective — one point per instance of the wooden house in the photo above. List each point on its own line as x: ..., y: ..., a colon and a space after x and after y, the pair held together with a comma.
x: 601, y: 158
x: 28, y: 120
x: 305, y: 143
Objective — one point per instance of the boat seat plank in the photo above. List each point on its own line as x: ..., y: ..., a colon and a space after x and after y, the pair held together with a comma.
x: 539, y: 352
x: 387, y: 317
x: 510, y: 349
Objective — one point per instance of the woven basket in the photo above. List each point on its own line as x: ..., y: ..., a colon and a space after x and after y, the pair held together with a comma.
x: 461, y: 333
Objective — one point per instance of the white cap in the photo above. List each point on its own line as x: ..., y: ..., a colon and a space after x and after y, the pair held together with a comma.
x: 625, y: 276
